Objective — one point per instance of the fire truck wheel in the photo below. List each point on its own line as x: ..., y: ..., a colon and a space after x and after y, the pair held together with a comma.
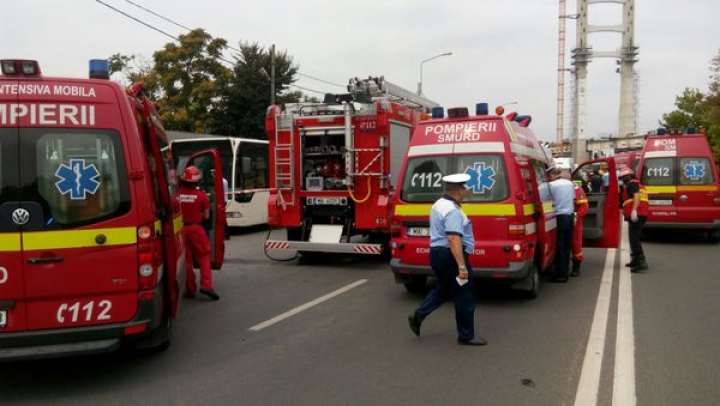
x: 416, y: 284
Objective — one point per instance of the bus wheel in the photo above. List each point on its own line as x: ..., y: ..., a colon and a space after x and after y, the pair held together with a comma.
x: 416, y: 284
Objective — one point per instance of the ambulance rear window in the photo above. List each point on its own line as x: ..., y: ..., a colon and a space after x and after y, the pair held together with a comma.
x: 696, y: 171
x: 76, y: 177
x: 422, y: 182
x: 658, y: 172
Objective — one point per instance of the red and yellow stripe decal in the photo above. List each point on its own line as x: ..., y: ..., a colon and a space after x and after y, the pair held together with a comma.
x: 9, y: 242
x: 45, y: 240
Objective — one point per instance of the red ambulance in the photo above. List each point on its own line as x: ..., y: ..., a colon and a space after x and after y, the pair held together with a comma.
x: 682, y: 182
x: 91, y: 249
x: 510, y: 205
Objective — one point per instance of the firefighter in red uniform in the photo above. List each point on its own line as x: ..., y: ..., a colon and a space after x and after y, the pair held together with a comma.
x: 635, y: 210
x: 195, y: 207
x: 581, y: 208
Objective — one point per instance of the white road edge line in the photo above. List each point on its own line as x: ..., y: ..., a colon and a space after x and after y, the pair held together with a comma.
x: 588, y: 387
x: 624, y: 376
x: 306, y: 306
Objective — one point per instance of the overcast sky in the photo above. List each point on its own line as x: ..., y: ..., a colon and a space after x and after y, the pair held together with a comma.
x: 503, y: 51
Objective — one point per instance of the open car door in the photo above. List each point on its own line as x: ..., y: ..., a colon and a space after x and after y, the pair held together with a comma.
x: 601, y: 226
x: 208, y: 162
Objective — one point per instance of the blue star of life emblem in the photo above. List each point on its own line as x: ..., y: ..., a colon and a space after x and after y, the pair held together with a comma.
x: 482, y: 177
x: 77, y: 179
x: 694, y: 170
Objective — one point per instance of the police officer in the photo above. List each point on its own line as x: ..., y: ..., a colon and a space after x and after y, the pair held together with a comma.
x: 635, y: 210
x: 563, y: 194
x: 195, y: 207
x: 581, y: 209
x: 451, y: 241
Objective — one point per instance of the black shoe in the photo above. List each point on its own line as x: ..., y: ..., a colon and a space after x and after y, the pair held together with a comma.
x: 209, y: 292
x: 575, y: 269
x: 189, y: 295
x: 473, y: 341
x: 633, y: 261
x: 414, y: 323
x: 640, y: 265
x: 558, y: 279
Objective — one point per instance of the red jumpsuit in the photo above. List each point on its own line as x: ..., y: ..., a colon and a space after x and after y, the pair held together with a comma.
x: 193, y: 203
x: 581, y: 209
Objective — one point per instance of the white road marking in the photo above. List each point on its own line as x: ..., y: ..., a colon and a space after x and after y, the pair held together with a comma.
x: 589, y: 384
x: 306, y: 306
x: 624, y: 377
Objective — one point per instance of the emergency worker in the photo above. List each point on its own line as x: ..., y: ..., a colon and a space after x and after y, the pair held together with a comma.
x: 563, y: 195
x: 636, y: 206
x: 195, y: 207
x: 581, y: 208
x: 451, y: 241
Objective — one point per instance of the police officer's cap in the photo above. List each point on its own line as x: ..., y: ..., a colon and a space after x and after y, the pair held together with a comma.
x: 456, y: 179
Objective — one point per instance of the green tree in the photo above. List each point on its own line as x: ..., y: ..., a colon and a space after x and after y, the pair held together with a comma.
x: 691, y: 111
x: 130, y: 68
x: 713, y: 105
x: 187, y: 79
x: 245, y: 100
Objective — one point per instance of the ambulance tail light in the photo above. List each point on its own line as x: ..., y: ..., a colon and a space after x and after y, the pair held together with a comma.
x: 717, y: 200
x: 396, y: 227
x: 516, y: 230
x: 147, y: 258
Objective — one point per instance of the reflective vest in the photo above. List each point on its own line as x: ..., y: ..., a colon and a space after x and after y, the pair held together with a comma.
x: 644, y: 207
x: 581, y: 202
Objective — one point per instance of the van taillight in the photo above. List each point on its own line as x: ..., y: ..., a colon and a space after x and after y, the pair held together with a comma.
x: 147, y: 260
x: 717, y: 200
x: 516, y: 230
x: 396, y: 227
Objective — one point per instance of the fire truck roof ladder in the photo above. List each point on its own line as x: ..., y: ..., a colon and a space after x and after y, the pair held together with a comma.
x: 379, y: 87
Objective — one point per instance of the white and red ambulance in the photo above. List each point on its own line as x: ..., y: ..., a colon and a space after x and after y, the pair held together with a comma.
x: 91, y: 249
x: 682, y: 182
x: 510, y: 205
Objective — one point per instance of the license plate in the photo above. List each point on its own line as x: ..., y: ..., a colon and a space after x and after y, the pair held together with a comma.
x: 3, y: 318
x: 418, y: 231
x: 660, y: 202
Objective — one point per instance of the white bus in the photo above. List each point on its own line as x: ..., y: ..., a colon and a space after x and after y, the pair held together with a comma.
x: 245, y: 167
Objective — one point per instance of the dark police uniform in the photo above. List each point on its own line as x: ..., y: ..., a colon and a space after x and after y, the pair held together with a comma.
x: 447, y: 217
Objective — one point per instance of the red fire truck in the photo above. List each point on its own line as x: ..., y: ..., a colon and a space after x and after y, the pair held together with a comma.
x: 91, y: 249
x: 334, y: 165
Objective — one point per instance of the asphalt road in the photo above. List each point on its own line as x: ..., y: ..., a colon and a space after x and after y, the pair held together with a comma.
x: 355, y: 347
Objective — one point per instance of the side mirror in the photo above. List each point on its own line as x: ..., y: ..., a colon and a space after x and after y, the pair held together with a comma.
x: 246, y: 164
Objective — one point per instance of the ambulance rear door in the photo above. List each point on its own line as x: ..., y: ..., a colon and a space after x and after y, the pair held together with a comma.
x: 79, y: 236
x: 601, y: 226
x: 12, y: 297
x: 210, y: 166
x: 697, y: 190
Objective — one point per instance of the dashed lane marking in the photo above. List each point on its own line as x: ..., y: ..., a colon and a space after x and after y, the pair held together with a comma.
x: 306, y: 306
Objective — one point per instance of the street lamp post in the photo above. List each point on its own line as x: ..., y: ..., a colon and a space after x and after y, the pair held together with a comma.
x: 419, y: 91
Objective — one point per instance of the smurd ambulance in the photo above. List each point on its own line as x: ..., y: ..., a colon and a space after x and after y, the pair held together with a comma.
x: 682, y: 182
x: 510, y: 204
x: 91, y: 249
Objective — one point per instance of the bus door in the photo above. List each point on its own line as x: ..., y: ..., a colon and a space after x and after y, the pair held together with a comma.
x: 210, y: 165
x: 12, y: 299
x: 601, y: 226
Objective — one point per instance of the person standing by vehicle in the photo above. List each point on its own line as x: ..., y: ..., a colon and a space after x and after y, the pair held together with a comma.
x: 635, y: 210
x: 451, y: 241
x: 581, y: 208
x: 195, y: 207
x: 563, y: 194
